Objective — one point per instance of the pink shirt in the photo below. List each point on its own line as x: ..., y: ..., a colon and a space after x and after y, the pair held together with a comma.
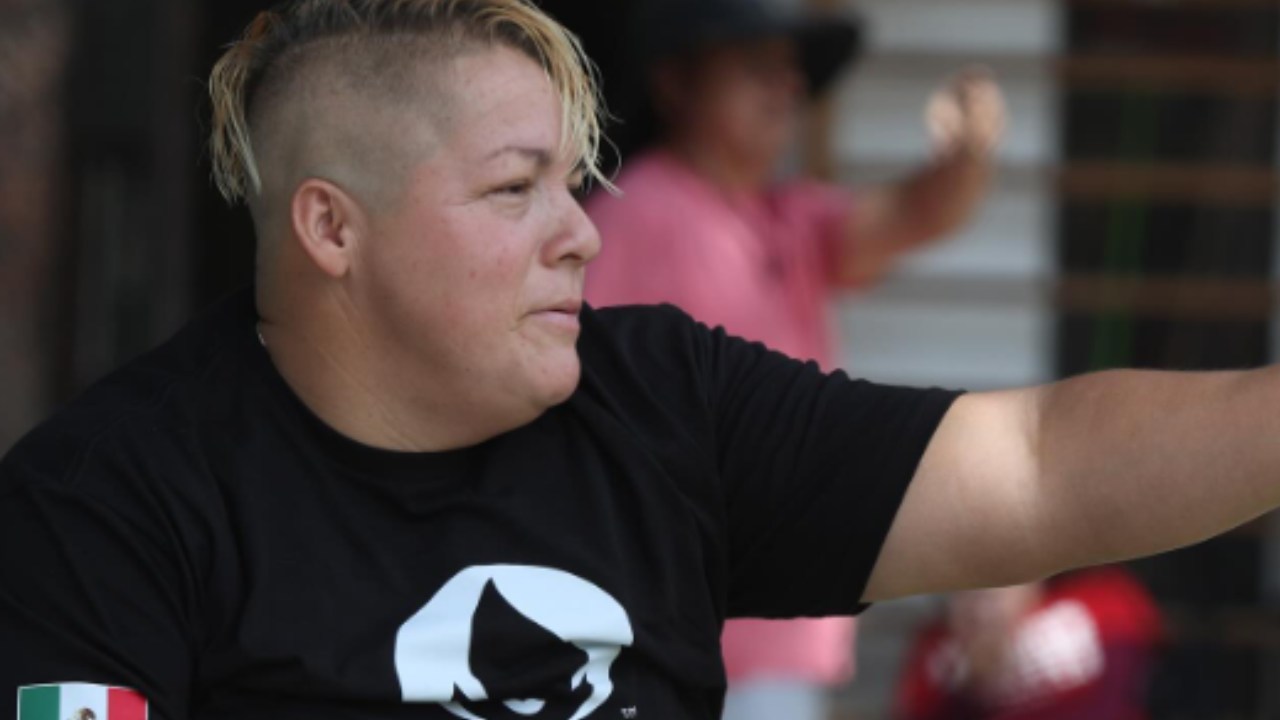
x: 762, y: 267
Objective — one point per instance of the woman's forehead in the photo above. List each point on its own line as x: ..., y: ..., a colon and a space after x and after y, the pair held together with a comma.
x: 503, y: 107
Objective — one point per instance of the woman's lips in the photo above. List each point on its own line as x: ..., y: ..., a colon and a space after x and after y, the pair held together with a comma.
x: 563, y: 315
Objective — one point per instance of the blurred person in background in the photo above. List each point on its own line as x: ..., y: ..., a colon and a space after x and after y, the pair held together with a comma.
x: 705, y: 223
x: 1078, y: 646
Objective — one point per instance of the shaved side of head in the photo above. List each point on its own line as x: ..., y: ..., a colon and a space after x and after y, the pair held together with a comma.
x: 355, y: 114
x: 361, y: 82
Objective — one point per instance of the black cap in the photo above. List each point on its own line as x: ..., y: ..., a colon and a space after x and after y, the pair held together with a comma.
x: 667, y: 28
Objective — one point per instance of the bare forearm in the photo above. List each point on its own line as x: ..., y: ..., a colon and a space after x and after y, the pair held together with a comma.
x: 966, y: 119
x: 941, y: 197
x: 1134, y: 463
x: 931, y: 204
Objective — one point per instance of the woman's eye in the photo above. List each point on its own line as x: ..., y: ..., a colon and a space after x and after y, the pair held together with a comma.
x: 515, y: 188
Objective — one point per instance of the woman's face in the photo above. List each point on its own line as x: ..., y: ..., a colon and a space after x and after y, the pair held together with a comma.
x: 743, y: 98
x: 475, y: 278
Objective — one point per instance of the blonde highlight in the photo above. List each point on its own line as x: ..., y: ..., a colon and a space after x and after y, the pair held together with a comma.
x: 290, y: 28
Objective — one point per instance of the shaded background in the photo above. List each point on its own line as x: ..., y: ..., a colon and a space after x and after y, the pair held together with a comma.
x: 1133, y: 222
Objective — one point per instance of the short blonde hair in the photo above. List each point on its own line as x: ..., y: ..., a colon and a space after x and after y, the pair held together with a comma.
x: 277, y: 36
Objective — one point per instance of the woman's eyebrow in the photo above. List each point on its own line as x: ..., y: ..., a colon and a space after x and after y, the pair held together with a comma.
x: 540, y: 156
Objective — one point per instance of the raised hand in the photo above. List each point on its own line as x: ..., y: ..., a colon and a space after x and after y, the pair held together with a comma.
x: 967, y: 114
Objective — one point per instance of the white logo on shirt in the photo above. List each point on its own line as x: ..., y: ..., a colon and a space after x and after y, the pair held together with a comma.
x: 439, y: 657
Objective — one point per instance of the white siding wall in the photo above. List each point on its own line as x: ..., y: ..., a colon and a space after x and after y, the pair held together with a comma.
x: 926, y: 325
x: 895, y: 332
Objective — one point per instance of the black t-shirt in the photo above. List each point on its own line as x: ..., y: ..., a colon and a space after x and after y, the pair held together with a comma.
x: 188, y: 529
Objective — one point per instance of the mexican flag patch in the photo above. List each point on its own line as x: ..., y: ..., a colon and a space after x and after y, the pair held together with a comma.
x: 80, y: 701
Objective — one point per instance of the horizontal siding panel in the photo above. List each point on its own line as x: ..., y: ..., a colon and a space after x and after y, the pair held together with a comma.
x: 1012, y: 26
x: 1009, y: 237
x: 970, y: 346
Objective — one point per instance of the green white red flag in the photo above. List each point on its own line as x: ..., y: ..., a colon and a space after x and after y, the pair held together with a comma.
x: 80, y: 701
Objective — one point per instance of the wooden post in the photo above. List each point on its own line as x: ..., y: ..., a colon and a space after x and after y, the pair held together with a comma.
x: 34, y: 32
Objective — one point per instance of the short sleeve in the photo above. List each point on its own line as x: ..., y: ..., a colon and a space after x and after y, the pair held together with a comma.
x: 89, y: 593
x: 821, y: 214
x: 814, y: 468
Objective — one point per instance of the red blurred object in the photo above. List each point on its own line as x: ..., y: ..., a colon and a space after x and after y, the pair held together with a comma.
x: 1084, y: 649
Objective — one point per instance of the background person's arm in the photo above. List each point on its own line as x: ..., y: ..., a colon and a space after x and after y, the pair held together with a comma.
x: 966, y: 119
x: 1019, y: 485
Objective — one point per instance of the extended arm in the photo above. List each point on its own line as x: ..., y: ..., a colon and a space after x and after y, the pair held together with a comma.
x: 1022, y: 484
x: 966, y: 119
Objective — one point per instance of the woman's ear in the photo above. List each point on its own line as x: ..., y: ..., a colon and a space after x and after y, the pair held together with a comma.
x: 327, y: 224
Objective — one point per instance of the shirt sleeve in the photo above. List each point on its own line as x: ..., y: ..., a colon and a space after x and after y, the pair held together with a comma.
x: 813, y: 470
x: 824, y: 212
x: 90, y: 592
